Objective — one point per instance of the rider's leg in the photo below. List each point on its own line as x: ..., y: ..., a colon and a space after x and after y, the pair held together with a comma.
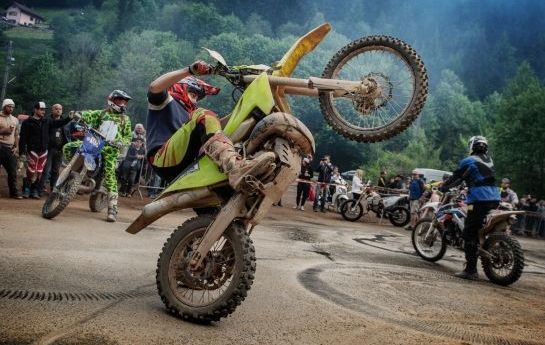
x: 109, y: 161
x: 220, y: 149
x: 475, y: 216
x: 205, y: 129
x: 70, y: 148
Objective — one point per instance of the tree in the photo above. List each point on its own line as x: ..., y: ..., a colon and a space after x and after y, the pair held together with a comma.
x: 519, y: 133
x: 457, y: 118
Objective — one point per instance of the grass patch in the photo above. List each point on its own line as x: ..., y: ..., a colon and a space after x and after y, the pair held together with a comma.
x: 28, y: 33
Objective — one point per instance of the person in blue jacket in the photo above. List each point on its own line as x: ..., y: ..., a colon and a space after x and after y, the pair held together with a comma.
x: 477, y: 171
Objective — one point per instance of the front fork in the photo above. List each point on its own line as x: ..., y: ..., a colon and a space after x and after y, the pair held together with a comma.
x: 75, y: 163
x: 236, y: 207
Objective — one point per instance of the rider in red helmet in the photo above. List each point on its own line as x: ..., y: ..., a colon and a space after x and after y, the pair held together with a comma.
x: 178, y: 130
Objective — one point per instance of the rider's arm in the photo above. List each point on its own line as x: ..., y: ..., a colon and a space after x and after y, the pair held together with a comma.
x: 60, y: 122
x: 457, y: 177
x: 126, y: 133
x: 168, y: 79
x: 91, y: 118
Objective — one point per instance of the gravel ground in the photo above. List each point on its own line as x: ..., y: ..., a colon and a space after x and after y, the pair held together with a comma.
x: 320, y: 280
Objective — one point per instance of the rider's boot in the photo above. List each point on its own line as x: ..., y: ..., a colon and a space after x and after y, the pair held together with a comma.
x: 220, y: 149
x: 470, y: 272
x: 112, y: 207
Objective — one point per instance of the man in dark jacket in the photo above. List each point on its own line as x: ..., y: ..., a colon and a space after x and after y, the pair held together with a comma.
x: 477, y: 171
x: 303, y: 186
x: 131, y: 165
x: 57, y: 139
x: 33, y: 143
x: 324, y: 175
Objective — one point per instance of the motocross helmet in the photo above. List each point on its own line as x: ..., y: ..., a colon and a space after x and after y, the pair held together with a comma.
x: 196, y: 86
x: 477, y: 144
x: 118, y: 94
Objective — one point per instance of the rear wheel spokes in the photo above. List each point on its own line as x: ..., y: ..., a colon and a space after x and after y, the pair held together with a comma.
x: 395, y: 84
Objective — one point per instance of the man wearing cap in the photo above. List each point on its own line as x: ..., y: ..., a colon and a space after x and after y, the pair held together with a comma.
x: 33, y: 145
x: 9, y: 137
x: 416, y: 189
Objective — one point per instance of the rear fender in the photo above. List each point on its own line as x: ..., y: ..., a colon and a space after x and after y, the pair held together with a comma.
x: 281, y: 125
x: 497, y: 221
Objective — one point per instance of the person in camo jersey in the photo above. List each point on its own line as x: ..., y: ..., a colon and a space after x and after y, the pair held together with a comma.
x: 115, y: 111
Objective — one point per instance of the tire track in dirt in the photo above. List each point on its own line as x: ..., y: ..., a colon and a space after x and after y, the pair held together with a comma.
x: 311, y: 280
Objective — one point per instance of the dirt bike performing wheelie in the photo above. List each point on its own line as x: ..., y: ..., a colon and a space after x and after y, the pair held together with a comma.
x: 371, y: 90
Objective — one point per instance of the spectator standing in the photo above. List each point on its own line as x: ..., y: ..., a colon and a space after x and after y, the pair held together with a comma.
x: 57, y: 139
x: 416, y: 189
x: 303, y: 186
x: 131, y: 165
x: 507, y: 194
x: 382, y: 179
x: 541, y: 210
x: 33, y: 145
x: 357, y: 184
x: 324, y: 177
x: 9, y: 138
x: 139, y: 132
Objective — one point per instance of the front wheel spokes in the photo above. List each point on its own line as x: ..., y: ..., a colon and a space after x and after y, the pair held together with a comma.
x: 204, y: 286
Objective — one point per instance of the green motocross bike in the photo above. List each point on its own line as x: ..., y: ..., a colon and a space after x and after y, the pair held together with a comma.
x: 371, y: 90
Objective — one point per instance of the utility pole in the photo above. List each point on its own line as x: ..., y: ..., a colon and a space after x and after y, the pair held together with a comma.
x: 9, y: 61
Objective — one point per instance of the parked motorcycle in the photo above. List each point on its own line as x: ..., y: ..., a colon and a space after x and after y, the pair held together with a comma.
x: 392, y: 207
x: 339, y: 195
x: 80, y: 175
x: 208, y: 264
x: 501, y: 255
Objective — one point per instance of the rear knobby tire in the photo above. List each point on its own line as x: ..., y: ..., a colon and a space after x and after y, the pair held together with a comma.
x: 403, y: 120
x: 70, y: 186
x: 98, y: 201
x: 242, y: 274
x: 403, y: 219
x: 515, y: 255
x: 349, y: 215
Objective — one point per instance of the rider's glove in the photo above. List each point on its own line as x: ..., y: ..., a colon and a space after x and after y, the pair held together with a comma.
x: 200, y: 67
x: 74, y: 115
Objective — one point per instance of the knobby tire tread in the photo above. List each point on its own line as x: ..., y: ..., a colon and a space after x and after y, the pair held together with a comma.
x: 518, y: 264
x: 75, y: 181
x: 401, y: 122
x: 435, y: 258
x: 226, y: 304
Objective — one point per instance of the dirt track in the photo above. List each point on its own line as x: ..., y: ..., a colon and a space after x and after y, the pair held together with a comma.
x: 320, y: 280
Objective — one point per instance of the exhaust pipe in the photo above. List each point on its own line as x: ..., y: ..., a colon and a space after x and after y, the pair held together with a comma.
x: 151, y: 212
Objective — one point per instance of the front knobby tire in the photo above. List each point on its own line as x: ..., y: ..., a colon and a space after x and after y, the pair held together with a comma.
x: 351, y: 210
x: 60, y: 197
x: 224, y: 282
x: 362, y: 127
x: 507, y: 262
x: 430, y: 250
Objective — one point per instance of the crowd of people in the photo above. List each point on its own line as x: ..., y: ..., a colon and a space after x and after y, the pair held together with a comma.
x: 41, y: 142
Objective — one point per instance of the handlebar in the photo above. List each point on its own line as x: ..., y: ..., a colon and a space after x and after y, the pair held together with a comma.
x: 81, y: 122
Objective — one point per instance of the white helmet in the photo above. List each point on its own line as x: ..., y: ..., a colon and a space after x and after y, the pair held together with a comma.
x: 118, y: 94
x: 477, y: 144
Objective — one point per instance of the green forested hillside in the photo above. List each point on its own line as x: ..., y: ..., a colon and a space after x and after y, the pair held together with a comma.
x: 484, y: 60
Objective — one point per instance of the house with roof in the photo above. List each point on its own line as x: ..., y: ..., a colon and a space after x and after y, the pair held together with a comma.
x: 19, y: 14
